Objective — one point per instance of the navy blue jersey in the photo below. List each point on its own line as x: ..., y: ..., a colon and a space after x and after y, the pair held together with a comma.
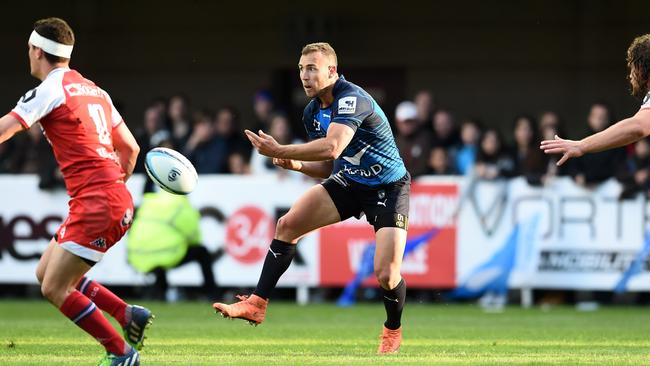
x: 372, y: 157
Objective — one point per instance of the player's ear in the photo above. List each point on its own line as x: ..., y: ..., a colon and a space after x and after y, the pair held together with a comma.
x: 332, y: 71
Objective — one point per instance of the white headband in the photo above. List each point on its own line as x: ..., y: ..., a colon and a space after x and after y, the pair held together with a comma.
x: 49, y: 46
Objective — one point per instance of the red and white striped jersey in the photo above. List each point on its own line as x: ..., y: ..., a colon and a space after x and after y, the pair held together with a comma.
x: 77, y: 118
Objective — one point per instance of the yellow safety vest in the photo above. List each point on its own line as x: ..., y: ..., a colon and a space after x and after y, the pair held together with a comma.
x: 164, y: 226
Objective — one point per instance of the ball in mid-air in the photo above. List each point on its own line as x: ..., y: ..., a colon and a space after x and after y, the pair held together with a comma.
x: 170, y: 170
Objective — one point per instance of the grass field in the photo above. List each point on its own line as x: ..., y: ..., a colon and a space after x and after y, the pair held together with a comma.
x: 34, y: 333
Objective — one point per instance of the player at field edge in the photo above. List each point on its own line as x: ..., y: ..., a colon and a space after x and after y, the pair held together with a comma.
x: 623, y: 132
x: 353, y: 149
x: 96, y: 153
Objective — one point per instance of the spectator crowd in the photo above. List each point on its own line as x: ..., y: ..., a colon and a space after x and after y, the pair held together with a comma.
x: 432, y: 140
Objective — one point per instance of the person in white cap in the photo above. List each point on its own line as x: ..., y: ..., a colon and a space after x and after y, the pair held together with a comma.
x: 96, y: 153
x: 413, y: 141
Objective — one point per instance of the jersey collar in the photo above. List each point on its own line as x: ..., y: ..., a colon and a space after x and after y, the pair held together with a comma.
x: 338, y: 84
x: 56, y: 70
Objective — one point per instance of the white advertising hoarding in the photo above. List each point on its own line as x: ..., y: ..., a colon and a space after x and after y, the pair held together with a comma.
x: 584, y: 239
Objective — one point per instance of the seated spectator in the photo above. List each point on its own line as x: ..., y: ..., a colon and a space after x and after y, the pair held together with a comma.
x: 205, y: 149
x: 178, y: 113
x: 412, y: 141
x: 445, y: 132
x: 491, y: 161
x: 154, y: 121
x: 166, y: 234
x: 263, y: 108
x: 470, y: 133
x: 425, y: 104
x: 226, y: 126
x: 238, y: 164
x: 530, y: 161
x: 593, y: 169
x: 280, y: 129
x: 550, y: 125
x: 439, y: 162
x: 549, y: 120
x: 635, y: 177
x: 8, y: 151
x: 33, y: 155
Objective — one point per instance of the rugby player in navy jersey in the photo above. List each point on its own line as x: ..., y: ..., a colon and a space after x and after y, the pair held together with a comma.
x: 353, y: 149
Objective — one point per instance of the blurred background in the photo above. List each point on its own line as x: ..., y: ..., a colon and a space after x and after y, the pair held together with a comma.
x: 470, y: 88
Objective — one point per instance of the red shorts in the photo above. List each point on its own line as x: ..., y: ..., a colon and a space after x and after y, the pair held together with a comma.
x: 97, y: 220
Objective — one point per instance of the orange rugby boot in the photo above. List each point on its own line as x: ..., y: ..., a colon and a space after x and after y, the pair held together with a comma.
x: 390, y: 341
x: 251, y: 308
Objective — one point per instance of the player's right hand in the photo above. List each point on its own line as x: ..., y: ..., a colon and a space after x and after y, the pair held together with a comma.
x: 568, y: 148
x: 289, y: 164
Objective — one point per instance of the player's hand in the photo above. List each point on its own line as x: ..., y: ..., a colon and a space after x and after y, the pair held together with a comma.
x: 264, y: 143
x: 568, y: 148
x: 288, y: 164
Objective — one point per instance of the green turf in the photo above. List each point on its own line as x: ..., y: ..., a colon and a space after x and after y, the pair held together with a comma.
x: 34, y: 333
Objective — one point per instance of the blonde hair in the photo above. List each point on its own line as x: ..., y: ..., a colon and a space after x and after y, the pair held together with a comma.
x: 322, y: 47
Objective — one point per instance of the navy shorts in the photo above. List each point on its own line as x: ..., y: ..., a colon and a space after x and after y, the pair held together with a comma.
x: 385, y: 205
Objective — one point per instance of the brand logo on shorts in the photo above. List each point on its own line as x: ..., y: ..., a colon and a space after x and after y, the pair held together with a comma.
x: 127, y: 219
x: 173, y: 174
x: 99, y: 243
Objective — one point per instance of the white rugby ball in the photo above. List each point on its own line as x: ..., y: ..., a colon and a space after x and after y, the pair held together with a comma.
x: 170, y: 170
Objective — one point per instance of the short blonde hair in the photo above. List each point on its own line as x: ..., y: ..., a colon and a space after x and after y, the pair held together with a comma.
x: 322, y: 47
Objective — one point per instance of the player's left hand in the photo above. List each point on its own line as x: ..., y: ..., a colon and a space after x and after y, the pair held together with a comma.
x: 264, y: 143
x: 568, y: 148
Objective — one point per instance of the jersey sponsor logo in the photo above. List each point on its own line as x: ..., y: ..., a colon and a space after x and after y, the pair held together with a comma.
x: 78, y: 89
x: 347, y: 105
x: 356, y: 159
x: 28, y: 96
x: 316, y: 125
x: 365, y: 173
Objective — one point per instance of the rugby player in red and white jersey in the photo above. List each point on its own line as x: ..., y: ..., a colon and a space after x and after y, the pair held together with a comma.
x: 96, y: 153
x: 626, y: 131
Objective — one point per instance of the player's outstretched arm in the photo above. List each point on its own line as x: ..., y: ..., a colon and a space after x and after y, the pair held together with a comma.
x: 9, y: 126
x: 326, y: 148
x: 126, y: 147
x: 620, y: 134
x: 314, y: 169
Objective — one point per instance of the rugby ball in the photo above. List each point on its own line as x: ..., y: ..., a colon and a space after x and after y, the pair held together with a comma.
x: 170, y: 170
